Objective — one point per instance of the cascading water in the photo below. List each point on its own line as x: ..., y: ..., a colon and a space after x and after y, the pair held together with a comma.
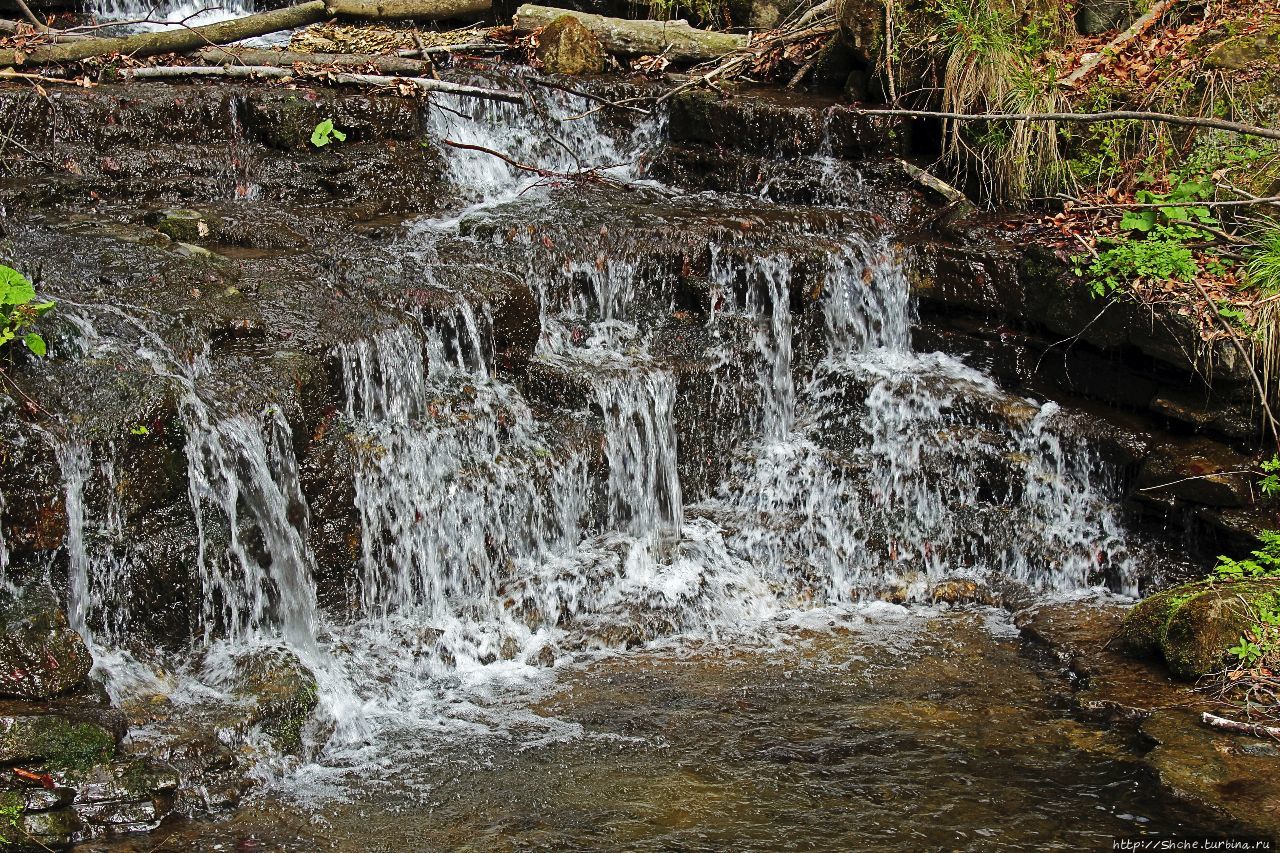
x: 495, y: 539
x: 141, y: 15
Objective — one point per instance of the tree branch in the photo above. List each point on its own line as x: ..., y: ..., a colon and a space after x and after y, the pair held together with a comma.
x: 1089, y: 118
x: 162, y: 72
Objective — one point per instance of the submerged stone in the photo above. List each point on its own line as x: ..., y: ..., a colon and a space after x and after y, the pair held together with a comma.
x: 40, y: 656
x: 184, y: 226
x: 568, y: 47
x: 1192, y: 625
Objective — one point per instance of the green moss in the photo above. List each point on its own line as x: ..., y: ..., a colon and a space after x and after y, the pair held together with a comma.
x: 1194, y: 624
x: 11, y: 804
x: 59, y: 743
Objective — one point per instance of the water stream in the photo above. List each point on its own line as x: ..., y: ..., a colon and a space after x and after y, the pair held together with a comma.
x: 502, y: 548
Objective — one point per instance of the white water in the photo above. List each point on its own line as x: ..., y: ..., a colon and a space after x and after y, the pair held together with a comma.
x: 168, y: 14
x: 493, y: 543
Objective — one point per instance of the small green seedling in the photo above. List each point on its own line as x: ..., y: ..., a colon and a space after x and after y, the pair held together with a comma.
x: 326, y: 133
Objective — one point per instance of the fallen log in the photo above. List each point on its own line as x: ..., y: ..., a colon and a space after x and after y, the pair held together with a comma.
x: 13, y: 28
x: 167, y: 72
x: 186, y: 39
x: 392, y: 65
x: 675, y: 40
x: 1240, y: 728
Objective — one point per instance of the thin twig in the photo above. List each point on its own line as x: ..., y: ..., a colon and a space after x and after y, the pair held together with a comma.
x: 1088, y: 118
x: 1138, y: 205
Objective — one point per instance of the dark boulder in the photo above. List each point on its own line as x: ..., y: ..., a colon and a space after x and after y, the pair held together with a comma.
x: 40, y: 656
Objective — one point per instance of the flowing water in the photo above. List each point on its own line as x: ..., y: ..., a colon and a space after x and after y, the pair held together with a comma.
x: 568, y: 629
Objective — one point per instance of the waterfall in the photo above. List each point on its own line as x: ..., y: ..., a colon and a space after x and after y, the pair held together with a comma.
x: 640, y: 448
x: 164, y: 15
x: 5, y: 582
x: 453, y: 480
x: 500, y: 534
x: 242, y: 471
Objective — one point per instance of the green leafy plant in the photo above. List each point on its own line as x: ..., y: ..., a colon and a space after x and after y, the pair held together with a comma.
x: 140, y: 429
x: 1263, y: 269
x: 1162, y: 255
x: 1246, y: 651
x: 1269, y: 483
x: 1265, y: 562
x: 325, y: 133
x: 1154, y: 246
x: 19, y: 311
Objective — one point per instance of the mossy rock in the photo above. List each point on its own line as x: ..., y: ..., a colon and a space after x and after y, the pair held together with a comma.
x: 1246, y: 51
x: 186, y: 226
x: 58, y: 742
x: 283, y: 692
x: 1192, y: 625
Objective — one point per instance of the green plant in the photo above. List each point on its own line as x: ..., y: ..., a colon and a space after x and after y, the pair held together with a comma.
x: 326, y: 133
x: 10, y: 816
x: 1261, y: 644
x: 1265, y: 562
x: 1246, y: 651
x: 19, y: 310
x: 140, y: 429
x: 1263, y: 269
x: 1162, y: 255
x: 1154, y: 245
x: 1269, y: 483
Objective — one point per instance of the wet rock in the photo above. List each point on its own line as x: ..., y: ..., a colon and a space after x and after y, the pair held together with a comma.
x: 1191, y: 626
x: 210, y: 773
x: 565, y: 46
x: 1223, y: 773
x: 40, y: 656
x: 55, y: 741
x: 782, y: 124
x: 55, y: 829
x: 1205, y: 410
x: 283, y: 694
x: 1199, y: 471
x: 961, y: 591
x: 286, y: 119
x: 185, y: 226
x: 980, y: 279
x: 124, y: 796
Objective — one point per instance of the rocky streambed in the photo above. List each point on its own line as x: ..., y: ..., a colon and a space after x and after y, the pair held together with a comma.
x: 681, y: 502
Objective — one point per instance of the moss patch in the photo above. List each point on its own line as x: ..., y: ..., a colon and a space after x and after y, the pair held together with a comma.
x: 1191, y: 626
x: 59, y: 743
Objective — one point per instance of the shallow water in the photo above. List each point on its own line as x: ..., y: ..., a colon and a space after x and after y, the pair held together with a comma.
x: 878, y: 728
